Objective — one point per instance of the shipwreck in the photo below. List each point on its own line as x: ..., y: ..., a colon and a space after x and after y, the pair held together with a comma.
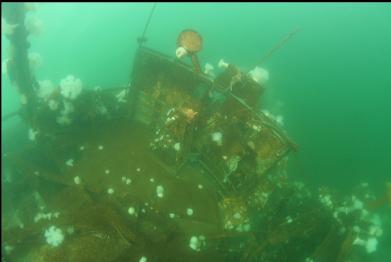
x: 176, y: 166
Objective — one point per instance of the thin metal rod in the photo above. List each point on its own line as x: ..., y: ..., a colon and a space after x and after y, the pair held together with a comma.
x: 142, y: 39
x: 278, y: 46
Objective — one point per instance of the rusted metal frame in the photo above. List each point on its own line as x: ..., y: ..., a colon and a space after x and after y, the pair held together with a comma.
x: 222, y: 190
x: 19, y: 70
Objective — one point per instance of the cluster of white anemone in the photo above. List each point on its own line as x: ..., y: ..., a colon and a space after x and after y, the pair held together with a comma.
x: 70, y: 88
x: 369, y: 228
x: 196, y: 242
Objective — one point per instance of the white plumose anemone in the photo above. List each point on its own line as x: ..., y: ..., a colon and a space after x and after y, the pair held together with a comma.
x: 189, y: 211
x: 54, y: 236
x: 180, y: 52
x: 35, y: 60
x: 222, y: 64
x: 32, y: 134
x: 77, y: 180
x: 218, y: 138
x: 177, y: 146
x: 131, y: 211
x: 209, y: 69
x: 371, y: 245
x: 7, y: 29
x: 33, y: 25
x: 71, y: 87
x: 46, y: 88
x: 121, y: 96
x: 143, y: 259
x: 160, y: 191
x: 196, y: 242
x: 259, y: 75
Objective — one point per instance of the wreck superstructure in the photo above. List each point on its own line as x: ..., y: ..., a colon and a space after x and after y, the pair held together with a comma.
x: 176, y: 166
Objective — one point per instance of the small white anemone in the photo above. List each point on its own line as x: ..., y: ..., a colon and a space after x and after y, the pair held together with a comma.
x: 180, y: 52
x: 259, y: 75
x: 69, y: 162
x: 77, y: 180
x: 71, y: 87
x: 218, y: 138
x: 189, y: 211
x: 121, y: 96
x: 143, y: 259
x: 222, y: 64
x: 131, y: 211
x: 209, y: 69
x: 196, y: 242
x: 160, y: 191
x: 177, y: 146
x: 371, y: 245
x: 54, y: 236
x: 32, y: 134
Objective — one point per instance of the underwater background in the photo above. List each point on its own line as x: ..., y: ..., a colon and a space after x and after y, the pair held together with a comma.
x: 331, y: 81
